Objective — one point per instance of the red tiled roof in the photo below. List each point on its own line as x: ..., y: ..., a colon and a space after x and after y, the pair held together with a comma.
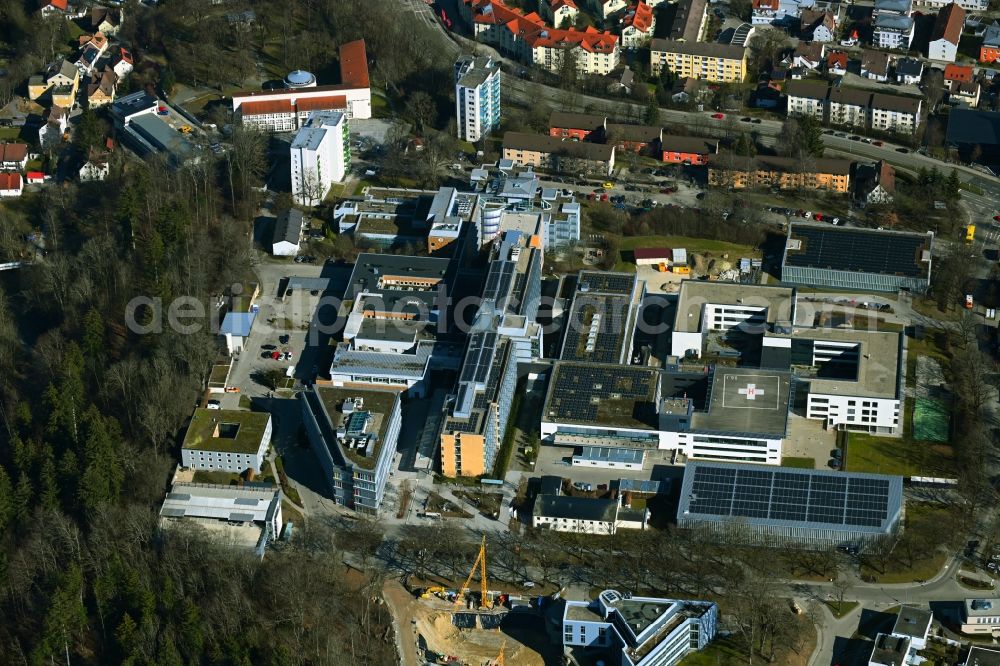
x: 354, y: 64
x: 765, y: 4
x: 58, y: 4
x: 321, y: 103
x: 36, y: 175
x: 536, y: 33
x: 957, y: 73
x: 837, y: 58
x: 887, y: 177
x: 949, y: 24
x: 640, y: 17
x: 13, y: 152
x: 10, y: 181
x: 265, y: 107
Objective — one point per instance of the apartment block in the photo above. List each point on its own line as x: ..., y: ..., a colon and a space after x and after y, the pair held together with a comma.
x: 477, y: 96
x: 320, y: 154
x: 717, y: 63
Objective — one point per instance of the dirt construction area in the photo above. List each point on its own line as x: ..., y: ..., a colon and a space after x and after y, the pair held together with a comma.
x: 427, y: 625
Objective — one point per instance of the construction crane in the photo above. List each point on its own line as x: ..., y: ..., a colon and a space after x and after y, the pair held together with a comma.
x: 499, y: 661
x: 481, y: 563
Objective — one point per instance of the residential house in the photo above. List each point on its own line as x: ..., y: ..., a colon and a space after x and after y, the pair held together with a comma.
x: 106, y: 19
x: 688, y: 22
x: 967, y: 5
x: 764, y: 12
x: 528, y: 38
x: 92, y: 47
x: 605, y: 8
x: 687, y: 149
x: 962, y: 73
x: 287, y: 233
x: 53, y: 7
x: 13, y: 156
x: 54, y: 128
x: 585, y: 515
x: 638, y: 25
x: 63, y: 85
x: 562, y: 13
x: 807, y: 98
x: 777, y: 78
x: 964, y: 92
x: 717, y: 63
x: 895, y: 113
x: 787, y: 173
x: 579, y: 126
x: 947, y: 33
x: 989, y: 50
x: 634, y: 138
x: 808, y: 55
x: 874, y: 183
x: 122, y: 63
x: 836, y: 62
x: 101, y: 89
x: 621, y: 80
x: 11, y: 184
x: 34, y: 178
x: 539, y: 150
x: 875, y: 65
x: 684, y: 90
x: 766, y: 98
x: 909, y: 71
x: 97, y: 167
x: 849, y: 106
x: 818, y: 26
x: 892, y: 25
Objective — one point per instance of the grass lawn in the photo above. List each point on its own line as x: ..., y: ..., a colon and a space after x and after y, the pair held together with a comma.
x: 913, y: 559
x: 839, y: 610
x: 9, y: 133
x: 719, y: 651
x: 690, y: 244
x: 798, y: 463
x: 898, y: 456
x: 219, y: 478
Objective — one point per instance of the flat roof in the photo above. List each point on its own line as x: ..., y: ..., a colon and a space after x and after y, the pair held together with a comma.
x: 746, y: 401
x: 576, y: 508
x: 361, y: 362
x: 915, y: 622
x: 602, y: 395
x: 231, y: 503
x: 378, y: 403
x: 228, y: 430
x: 612, y: 454
x: 370, y: 270
x: 779, y: 301
x: 889, y: 650
x: 982, y: 607
x: 980, y: 656
x: 857, y: 250
x: 582, y: 611
x: 601, y: 317
x: 878, y: 365
x: 788, y: 497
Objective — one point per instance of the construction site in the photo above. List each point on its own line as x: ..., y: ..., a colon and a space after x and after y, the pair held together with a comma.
x: 475, y: 626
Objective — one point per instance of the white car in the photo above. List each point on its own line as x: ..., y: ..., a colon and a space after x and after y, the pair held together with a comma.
x: 213, y: 404
x: 808, y: 215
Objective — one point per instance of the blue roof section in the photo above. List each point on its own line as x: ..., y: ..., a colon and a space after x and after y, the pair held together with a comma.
x: 612, y: 454
x: 237, y: 323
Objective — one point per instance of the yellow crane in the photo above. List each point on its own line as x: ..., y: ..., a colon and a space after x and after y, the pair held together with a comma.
x: 499, y: 661
x: 481, y: 564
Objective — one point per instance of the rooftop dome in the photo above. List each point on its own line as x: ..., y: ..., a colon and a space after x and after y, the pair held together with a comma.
x: 300, y: 79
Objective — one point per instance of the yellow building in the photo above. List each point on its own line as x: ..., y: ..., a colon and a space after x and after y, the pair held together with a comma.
x: 786, y: 173
x: 706, y: 61
x: 462, y: 454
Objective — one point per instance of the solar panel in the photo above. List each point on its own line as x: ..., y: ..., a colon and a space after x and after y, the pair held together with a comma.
x: 858, y: 251
x: 802, y: 496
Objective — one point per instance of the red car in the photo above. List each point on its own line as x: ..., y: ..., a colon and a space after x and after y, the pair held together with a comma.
x: 718, y: 116
x: 996, y: 218
x: 877, y: 143
x: 818, y: 217
x: 604, y: 197
x: 276, y: 355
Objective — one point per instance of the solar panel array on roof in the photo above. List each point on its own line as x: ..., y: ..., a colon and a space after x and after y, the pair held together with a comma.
x: 790, y: 496
x: 606, y: 283
x: 479, y: 357
x: 596, y: 328
x: 498, y: 282
x: 858, y: 251
x: 578, y: 390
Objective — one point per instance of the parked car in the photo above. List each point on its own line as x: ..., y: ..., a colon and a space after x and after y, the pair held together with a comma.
x: 902, y: 150
x: 283, y: 339
x: 288, y: 356
x: 213, y: 404
x: 878, y: 143
x: 268, y: 347
x: 718, y: 116
x: 855, y: 138
x: 757, y: 121
x: 746, y: 119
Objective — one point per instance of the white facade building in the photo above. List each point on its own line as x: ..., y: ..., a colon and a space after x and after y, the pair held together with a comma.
x: 320, y: 154
x: 585, y: 515
x: 226, y: 440
x: 477, y: 96
x: 640, y: 631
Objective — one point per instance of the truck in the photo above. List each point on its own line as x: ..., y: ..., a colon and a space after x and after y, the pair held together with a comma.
x: 970, y: 233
